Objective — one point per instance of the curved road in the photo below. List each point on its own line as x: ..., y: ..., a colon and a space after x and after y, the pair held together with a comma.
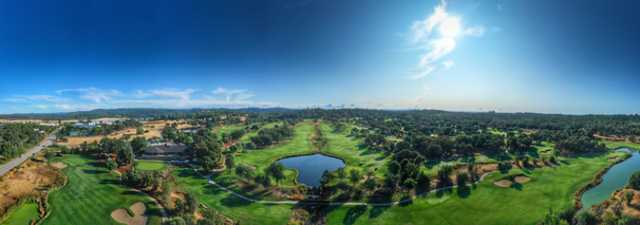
x: 49, y: 140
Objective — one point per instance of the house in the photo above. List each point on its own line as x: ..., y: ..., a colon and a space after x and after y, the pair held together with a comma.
x: 168, y: 151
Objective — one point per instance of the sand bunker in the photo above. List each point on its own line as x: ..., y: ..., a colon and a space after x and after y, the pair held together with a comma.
x: 58, y: 165
x: 503, y: 183
x: 138, y: 209
x: 521, y: 179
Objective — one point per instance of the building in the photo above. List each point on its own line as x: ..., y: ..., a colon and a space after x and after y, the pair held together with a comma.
x: 167, y: 151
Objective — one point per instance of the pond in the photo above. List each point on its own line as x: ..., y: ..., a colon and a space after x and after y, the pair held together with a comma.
x: 311, y: 167
x: 616, y: 178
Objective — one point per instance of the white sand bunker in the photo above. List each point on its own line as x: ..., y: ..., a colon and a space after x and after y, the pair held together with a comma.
x: 58, y: 165
x: 522, y: 179
x: 503, y: 183
x: 138, y: 209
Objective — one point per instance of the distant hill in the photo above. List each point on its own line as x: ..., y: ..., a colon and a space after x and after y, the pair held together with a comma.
x: 133, y: 113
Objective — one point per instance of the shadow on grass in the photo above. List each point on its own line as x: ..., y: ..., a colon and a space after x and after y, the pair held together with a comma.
x: 353, y: 214
x: 92, y: 171
x: 463, y: 192
x: 135, y: 193
x: 377, y: 211
x: 517, y: 186
x: 110, y: 181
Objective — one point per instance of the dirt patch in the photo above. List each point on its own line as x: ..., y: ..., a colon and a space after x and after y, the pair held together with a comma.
x: 152, y: 129
x: 138, y: 209
x: 31, y: 179
x: 503, y: 183
x: 521, y: 179
x: 58, y: 165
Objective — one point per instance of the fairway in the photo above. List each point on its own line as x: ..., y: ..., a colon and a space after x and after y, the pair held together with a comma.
x: 150, y: 165
x: 23, y: 214
x: 91, y: 194
x: 487, y: 204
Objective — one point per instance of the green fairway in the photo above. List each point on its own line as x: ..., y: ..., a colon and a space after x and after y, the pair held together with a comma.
x: 487, y: 204
x: 150, y: 165
x: 23, y: 214
x: 91, y: 194
x: 229, y: 205
x: 621, y: 144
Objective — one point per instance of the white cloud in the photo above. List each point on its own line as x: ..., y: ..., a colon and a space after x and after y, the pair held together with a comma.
x: 437, y: 36
x: 183, y: 94
x: 92, y: 94
x: 81, y: 99
x: 448, y: 64
x: 233, y: 95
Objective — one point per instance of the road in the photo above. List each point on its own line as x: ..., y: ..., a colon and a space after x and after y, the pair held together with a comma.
x: 49, y: 140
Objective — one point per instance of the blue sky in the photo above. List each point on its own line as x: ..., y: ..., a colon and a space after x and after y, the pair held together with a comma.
x: 509, y: 56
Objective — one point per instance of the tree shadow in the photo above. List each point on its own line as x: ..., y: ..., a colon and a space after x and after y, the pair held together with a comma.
x: 110, y: 181
x: 92, y: 171
x: 517, y: 186
x: 463, y: 191
x: 134, y: 193
x: 353, y: 214
x: 377, y: 211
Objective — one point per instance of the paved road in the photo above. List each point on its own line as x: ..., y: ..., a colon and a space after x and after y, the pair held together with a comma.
x: 4, y: 168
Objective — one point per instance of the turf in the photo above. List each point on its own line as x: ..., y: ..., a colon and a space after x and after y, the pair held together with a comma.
x: 91, y: 194
x: 621, y: 144
x: 23, y: 214
x: 229, y: 205
x: 487, y: 204
x: 150, y: 165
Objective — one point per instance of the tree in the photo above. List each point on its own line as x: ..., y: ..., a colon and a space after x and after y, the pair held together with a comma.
x: 124, y: 152
x: 424, y: 181
x: 443, y: 175
x: 277, y: 171
x: 139, y: 145
x: 110, y: 164
x: 140, y: 130
x: 634, y: 181
x: 354, y: 176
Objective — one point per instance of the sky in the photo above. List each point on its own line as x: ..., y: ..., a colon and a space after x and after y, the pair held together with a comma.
x: 547, y: 56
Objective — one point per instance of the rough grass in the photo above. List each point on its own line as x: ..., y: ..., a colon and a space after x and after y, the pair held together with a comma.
x: 91, y: 194
x: 23, y: 214
x: 524, y: 204
x: 150, y: 165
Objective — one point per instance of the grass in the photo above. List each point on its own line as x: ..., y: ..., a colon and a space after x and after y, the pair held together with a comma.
x: 23, y: 214
x: 620, y: 144
x: 150, y: 165
x: 487, y: 204
x: 346, y: 148
x: 229, y: 205
x: 91, y: 194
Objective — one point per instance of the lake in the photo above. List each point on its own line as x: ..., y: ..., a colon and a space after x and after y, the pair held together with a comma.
x: 311, y: 167
x: 616, y: 178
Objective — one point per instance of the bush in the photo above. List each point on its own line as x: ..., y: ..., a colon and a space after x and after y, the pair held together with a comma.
x: 634, y: 181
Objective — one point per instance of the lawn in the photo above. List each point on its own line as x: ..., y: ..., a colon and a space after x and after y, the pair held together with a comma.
x: 620, y: 144
x: 23, y: 214
x: 91, y: 194
x: 487, y: 204
x: 229, y: 205
x: 150, y: 165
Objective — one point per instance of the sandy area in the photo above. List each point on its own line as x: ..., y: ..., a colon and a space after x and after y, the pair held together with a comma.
x: 503, y: 183
x: 29, y: 179
x: 522, y: 179
x: 138, y: 209
x: 58, y: 165
x: 152, y: 129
